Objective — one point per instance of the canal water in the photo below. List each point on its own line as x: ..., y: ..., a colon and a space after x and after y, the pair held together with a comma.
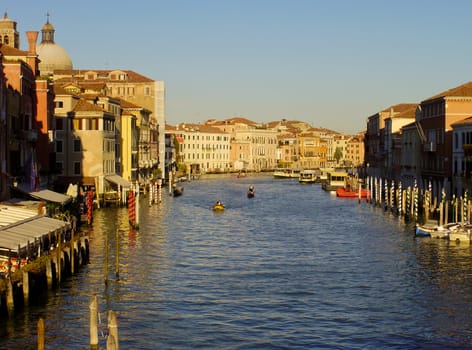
x: 292, y: 268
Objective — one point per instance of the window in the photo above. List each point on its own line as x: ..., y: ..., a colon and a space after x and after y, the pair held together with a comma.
x: 77, y: 145
x: 59, y: 124
x: 59, y: 168
x: 76, y: 168
x: 59, y: 104
x: 59, y: 146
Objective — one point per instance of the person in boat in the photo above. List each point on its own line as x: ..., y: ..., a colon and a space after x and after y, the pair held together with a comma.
x: 219, y: 203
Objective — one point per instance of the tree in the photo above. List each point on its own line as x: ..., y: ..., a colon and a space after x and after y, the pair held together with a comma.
x: 338, y: 154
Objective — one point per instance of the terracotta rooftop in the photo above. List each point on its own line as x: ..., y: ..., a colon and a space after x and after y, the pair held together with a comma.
x: 11, y: 51
x: 84, y: 106
x: 467, y: 120
x: 401, y: 107
x: 231, y: 121
x: 102, y: 75
x: 187, y: 127
x: 464, y: 90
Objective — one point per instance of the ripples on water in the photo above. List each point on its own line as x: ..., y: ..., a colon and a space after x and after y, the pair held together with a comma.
x: 293, y: 268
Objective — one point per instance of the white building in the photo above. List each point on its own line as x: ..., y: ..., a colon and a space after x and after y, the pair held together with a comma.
x: 201, y: 148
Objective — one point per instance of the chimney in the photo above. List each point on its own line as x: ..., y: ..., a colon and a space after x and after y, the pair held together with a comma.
x: 32, y: 58
x: 32, y: 38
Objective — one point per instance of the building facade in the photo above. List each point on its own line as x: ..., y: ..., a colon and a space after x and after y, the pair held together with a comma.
x: 201, y: 148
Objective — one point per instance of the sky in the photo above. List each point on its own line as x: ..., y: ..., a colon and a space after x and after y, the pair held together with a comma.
x: 329, y: 63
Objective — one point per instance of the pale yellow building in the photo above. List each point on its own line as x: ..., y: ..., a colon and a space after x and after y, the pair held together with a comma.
x: 310, y: 151
x: 354, y: 156
x: 86, y: 142
x: 135, y: 88
x: 137, y: 165
x: 252, y: 144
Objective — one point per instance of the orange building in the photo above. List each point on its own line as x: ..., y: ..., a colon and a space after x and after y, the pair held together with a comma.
x: 28, y: 155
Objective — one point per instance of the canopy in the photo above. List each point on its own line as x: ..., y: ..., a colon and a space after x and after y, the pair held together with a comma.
x: 51, y: 196
x: 19, y: 226
x: 118, y: 180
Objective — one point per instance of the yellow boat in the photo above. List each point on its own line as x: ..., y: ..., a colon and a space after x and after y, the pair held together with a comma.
x: 218, y: 207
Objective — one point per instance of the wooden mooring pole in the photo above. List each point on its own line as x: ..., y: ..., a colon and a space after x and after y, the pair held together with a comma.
x: 117, y: 255
x: 40, y: 334
x: 93, y: 323
x: 112, y: 331
x: 106, y: 259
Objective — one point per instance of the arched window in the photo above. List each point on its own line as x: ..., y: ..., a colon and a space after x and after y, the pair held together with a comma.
x: 5, y: 40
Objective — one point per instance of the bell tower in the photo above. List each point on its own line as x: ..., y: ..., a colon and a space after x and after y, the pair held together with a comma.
x: 8, y: 33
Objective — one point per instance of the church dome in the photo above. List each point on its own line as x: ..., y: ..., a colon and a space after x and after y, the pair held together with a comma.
x: 51, y: 55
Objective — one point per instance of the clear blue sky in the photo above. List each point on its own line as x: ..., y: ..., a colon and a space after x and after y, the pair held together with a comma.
x: 331, y: 63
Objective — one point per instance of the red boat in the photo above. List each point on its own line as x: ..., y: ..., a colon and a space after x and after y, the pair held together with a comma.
x: 350, y: 193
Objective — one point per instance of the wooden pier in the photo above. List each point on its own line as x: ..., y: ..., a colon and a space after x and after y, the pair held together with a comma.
x: 36, y: 252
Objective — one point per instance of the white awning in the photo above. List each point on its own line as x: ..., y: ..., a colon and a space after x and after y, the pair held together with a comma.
x: 118, y: 180
x: 51, y: 196
x: 20, y: 226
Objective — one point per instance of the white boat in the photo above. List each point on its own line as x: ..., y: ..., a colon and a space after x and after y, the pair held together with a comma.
x: 335, y: 180
x: 308, y: 176
x: 286, y: 173
x: 433, y: 230
x: 462, y: 233
x: 323, y: 174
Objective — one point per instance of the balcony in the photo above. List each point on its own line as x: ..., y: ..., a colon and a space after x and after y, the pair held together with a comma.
x: 429, y: 146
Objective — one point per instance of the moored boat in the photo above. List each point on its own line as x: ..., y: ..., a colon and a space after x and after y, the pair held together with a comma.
x: 348, y: 192
x: 433, y: 230
x: 308, y: 176
x: 424, y: 230
x: 286, y: 173
x: 323, y: 174
x: 463, y: 233
x: 335, y: 180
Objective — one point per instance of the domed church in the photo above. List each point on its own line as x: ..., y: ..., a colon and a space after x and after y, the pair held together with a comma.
x: 52, y: 56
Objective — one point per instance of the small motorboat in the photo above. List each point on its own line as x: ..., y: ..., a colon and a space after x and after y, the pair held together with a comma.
x: 251, y: 192
x: 347, y: 192
x: 218, y: 207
